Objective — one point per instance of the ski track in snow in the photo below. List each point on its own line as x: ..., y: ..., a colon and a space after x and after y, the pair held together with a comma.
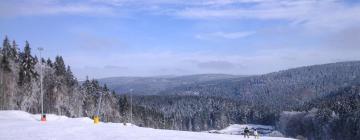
x: 19, y: 125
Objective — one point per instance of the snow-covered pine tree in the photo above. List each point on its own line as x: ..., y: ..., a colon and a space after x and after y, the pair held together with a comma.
x: 49, y: 63
x: 6, y: 50
x: 105, y: 88
x: 69, y: 77
x: 59, y: 66
x: 14, y: 51
x: 27, y: 64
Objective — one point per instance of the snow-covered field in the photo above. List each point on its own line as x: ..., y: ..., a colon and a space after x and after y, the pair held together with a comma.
x: 19, y: 125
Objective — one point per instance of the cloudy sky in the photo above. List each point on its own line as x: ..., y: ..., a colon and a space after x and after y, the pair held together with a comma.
x: 103, y: 38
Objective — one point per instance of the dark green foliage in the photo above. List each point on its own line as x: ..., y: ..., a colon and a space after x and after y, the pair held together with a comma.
x: 6, y: 49
x: 36, y: 59
x: 69, y: 77
x: 14, y: 51
x: 106, y: 88
x: 10, y: 51
x: 292, y: 87
x: 124, y: 106
x: 4, y: 64
x: 59, y: 66
x: 49, y: 63
x: 154, y: 85
x: 6, y: 55
x: 43, y: 61
x: 336, y: 116
x: 198, y: 113
x: 27, y: 64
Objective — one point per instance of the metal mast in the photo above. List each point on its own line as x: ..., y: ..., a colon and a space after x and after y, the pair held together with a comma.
x: 2, y: 86
x: 131, y: 111
x: 41, y: 82
x: 96, y: 117
x: 99, y: 105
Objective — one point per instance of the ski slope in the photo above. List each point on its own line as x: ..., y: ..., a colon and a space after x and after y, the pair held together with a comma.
x: 19, y: 125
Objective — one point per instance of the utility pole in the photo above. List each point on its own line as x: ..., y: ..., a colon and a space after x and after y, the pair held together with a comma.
x: 43, y: 116
x: 131, y: 111
x: 2, y: 86
x: 99, y: 105
x: 96, y: 117
x: 164, y: 122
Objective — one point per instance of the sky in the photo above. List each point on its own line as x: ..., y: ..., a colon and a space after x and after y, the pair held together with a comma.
x: 106, y: 38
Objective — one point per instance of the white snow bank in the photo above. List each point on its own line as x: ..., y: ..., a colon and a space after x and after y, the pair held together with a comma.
x: 24, y: 116
x: 18, y: 125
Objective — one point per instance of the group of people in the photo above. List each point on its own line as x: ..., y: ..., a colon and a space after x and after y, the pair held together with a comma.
x: 247, y: 133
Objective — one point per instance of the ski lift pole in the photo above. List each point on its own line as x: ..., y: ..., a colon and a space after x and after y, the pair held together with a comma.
x: 43, y: 115
x: 96, y: 117
x: 131, y: 107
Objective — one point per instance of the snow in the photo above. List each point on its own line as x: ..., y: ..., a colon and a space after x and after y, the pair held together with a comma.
x: 19, y: 125
x: 238, y: 129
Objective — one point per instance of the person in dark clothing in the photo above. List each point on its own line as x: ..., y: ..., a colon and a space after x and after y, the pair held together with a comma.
x: 246, y: 132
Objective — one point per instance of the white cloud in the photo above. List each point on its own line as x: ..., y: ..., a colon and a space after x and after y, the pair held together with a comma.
x: 224, y: 35
x: 51, y: 7
x: 174, y: 2
x: 310, y: 13
x: 260, y: 10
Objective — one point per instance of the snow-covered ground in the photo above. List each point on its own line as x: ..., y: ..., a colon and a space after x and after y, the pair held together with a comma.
x: 19, y: 125
x: 237, y: 129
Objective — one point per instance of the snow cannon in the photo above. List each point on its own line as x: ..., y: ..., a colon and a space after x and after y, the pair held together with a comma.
x: 43, y: 118
x: 96, y: 119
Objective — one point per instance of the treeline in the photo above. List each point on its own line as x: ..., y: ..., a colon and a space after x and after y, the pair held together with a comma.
x: 199, y: 113
x: 300, y: 101
x: 336, y: 116
x: 292, y: 87
x: 63, y: 95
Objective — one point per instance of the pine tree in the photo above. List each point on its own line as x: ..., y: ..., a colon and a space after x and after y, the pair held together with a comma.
x: 59, y: 66
x: 14, y: 51
x: 106, y: 89
x: 95, y: 87
x: 43, y: 61
x: 5, y: 64
x: 36, y: 59
x: 124, y: 105
x: 27, y: 65
x: 6, y: 50
x: 69, y: 77
x: 49, y: 63
x: 86, y: 84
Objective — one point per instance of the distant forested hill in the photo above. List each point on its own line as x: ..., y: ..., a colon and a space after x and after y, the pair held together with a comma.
x: 292, y: 87
x: 154, y: 85
x: 261, y: 99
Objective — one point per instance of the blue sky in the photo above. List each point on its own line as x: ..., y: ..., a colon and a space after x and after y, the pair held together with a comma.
x: 103, y: 38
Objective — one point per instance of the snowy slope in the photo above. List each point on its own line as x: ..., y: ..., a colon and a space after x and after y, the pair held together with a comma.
x: 18, y: 125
